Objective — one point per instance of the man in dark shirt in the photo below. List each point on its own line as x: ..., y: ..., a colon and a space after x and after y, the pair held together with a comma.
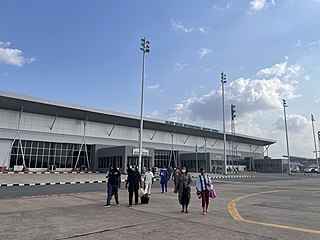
x: 133, y: 182
x: 114, y: 182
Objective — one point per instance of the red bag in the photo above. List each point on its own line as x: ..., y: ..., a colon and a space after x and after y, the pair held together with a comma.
x: 212, y: 193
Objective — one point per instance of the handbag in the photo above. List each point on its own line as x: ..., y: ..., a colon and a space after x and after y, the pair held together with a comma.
x: 212, y: 193
x: 140, y: 192
x: 198, y: 193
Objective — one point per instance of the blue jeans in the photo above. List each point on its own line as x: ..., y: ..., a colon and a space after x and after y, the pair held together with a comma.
x: 112, y: 190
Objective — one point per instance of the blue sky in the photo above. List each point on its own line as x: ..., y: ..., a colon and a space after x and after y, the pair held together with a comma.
x: 87, y: 53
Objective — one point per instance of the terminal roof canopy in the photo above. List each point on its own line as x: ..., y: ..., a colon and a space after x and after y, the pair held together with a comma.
x: 16, y: 102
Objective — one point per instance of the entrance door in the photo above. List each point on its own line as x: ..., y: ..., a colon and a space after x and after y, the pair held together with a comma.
x: 134, y: 160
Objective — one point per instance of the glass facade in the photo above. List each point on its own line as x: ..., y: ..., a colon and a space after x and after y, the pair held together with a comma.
x: 192, y: 164
x: 42, y: 154
x: 107, y: 162
x: 165, y: 158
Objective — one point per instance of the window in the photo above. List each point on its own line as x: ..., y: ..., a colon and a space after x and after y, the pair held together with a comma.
x: 107, y: 162
x: 42, y: 154
x: 165, y: 158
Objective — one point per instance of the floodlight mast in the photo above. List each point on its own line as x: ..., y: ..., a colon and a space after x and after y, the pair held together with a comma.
x: 284, y: 102
x: 223, y: 81
x: 145, y: 49
x: 314, y: 140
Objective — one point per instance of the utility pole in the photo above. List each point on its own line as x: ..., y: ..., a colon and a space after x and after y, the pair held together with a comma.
x: 145, y: 49
x: 284, y: 102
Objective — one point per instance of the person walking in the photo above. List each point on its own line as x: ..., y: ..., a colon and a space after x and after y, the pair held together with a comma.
x: 175, y: 175
x: 133, y: 184
x: 164, y: 179
x: 114, y: 183
x: 148, y: 181
x: 183, y: 188
x: 170, y: 170
x: 203, y: 186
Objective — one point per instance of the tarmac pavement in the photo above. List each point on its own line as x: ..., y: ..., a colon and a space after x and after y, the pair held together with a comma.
x: 82, y: 216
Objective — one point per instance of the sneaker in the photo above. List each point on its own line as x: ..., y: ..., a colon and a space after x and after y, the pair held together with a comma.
x: 187, y: 211
x: 118, y: 204
x: 129, y: 205
x: 107, y: 205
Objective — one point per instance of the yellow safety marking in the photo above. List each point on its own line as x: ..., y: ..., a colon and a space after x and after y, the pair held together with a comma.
x: 236, y: 215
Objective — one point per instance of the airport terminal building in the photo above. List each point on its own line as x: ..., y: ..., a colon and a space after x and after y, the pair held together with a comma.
x: 41, y: 134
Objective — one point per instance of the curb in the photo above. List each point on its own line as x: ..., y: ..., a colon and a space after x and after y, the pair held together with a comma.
x: 101, y: 181
x: 46, y: 184
x: 219, y: 177
x: 46, y: 172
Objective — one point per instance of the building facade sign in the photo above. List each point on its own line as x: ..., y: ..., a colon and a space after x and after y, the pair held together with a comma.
x: 136, y: 151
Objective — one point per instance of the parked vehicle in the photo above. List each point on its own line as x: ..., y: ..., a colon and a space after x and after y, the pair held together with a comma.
x: 311, y: 170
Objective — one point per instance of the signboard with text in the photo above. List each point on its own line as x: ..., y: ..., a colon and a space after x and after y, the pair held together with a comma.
x: 136, y: 151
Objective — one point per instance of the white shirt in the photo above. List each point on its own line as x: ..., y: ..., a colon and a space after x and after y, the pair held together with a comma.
x: 148, y: 176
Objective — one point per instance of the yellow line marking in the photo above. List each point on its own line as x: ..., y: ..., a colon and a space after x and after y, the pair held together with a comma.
x: 232, y: 207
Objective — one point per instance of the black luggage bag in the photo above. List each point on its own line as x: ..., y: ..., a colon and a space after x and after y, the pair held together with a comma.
x: 145, y: 199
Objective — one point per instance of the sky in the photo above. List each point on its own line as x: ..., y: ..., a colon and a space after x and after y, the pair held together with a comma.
x: 88, y: 53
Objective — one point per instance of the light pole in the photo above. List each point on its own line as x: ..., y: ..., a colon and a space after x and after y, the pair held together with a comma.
x: 233, y: 132
x: 223, y: 81
x: 197, y: 164
x: 314, y: 140
x: 318, y: 147
x: 285, y: 124
x: 145, y: 49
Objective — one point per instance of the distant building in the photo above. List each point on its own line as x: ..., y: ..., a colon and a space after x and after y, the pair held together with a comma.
x: 269, y: 165
x: 41, y: 134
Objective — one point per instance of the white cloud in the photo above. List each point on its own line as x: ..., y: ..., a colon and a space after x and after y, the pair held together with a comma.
x: 307, y: 45
x: 295, y: 123
x: 316, y: 100
x: 203, y: 29
x: 280, y: 70
x: 5, y: 44
x: 203, y: 52
x: 180, y: 66
x: 256, y: 100
x: 258, y: 103
x: 13, y: 56
x: 179, y: 27
x: 251, y: 96
x: 259, y: 5
x: 298, y: 44
x: 313, y: 43
x: 154, y: 114
x: 307, y: 77
x: 154, y: 88
x: 223, y: 6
